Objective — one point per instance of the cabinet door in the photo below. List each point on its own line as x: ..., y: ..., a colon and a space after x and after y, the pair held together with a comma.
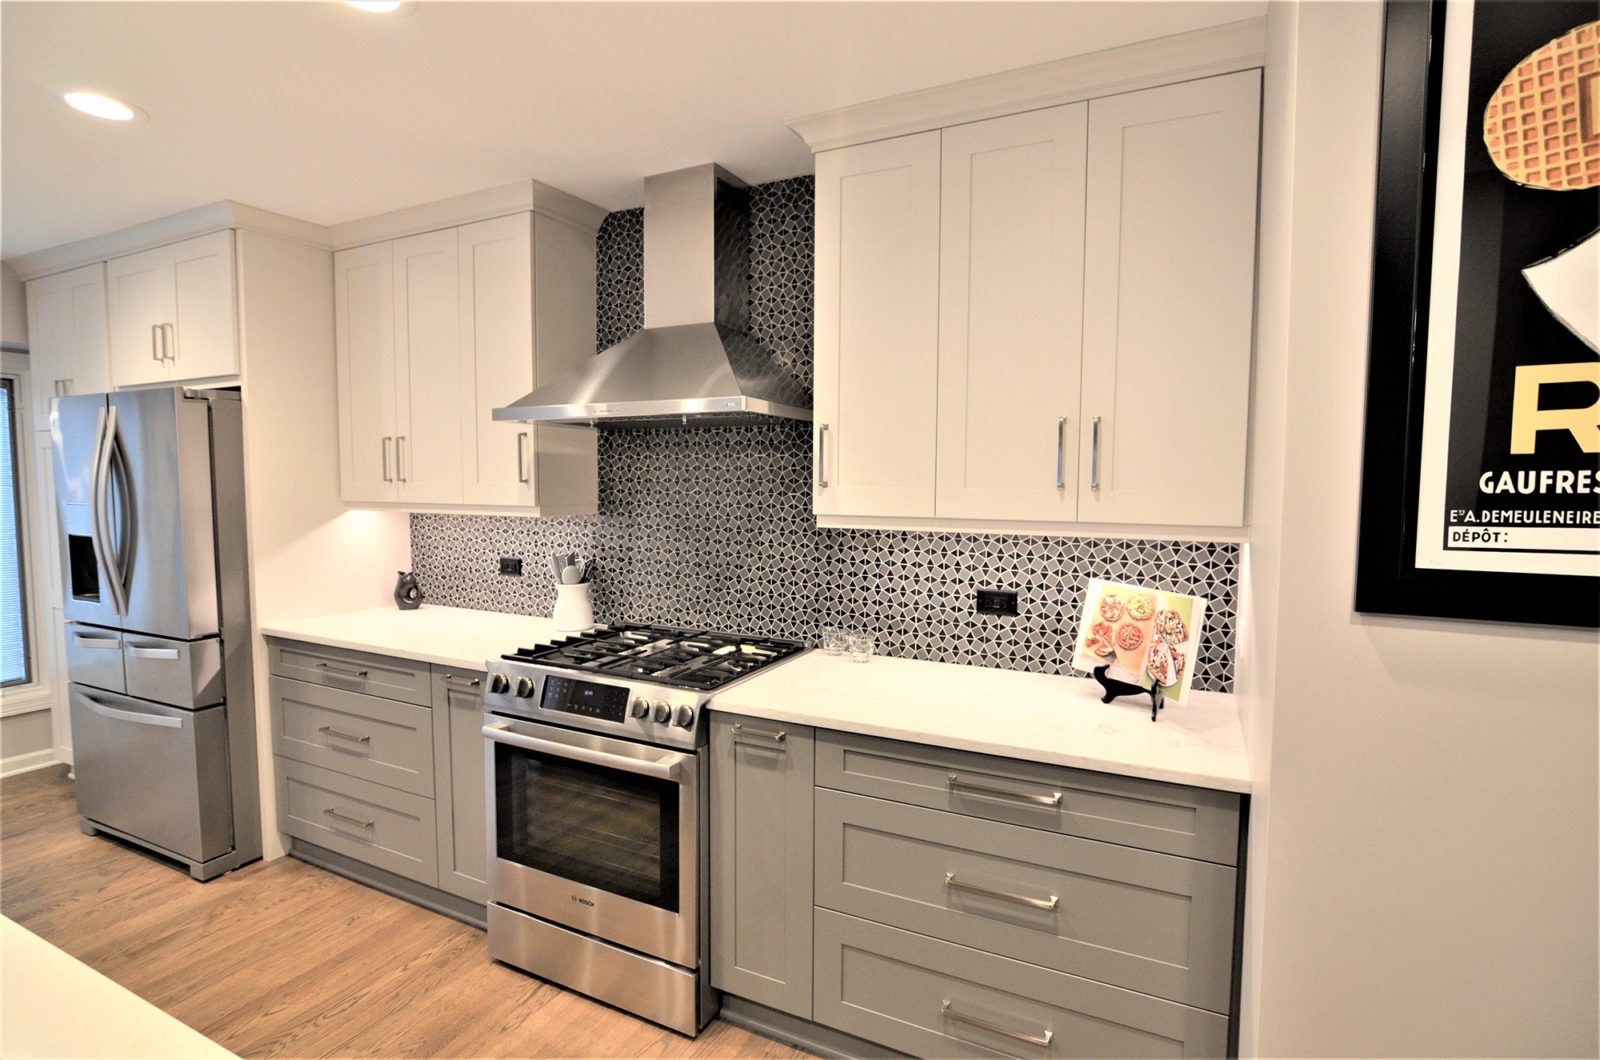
x: 762, y: 777
x: 140, y: 302
x: 877, y: 327
x: 363, y: 309
x: 459, y: 783
x: 496, y: 298
x: 1168, y: 303
x: 427, y: 368
x: 1011, y: 315
x: 67, y: 342
x: 205, y: 335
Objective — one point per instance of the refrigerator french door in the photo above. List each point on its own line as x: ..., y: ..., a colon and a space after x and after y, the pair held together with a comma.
x: 149, y: 490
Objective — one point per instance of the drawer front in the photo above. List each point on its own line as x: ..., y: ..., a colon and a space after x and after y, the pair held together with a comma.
x: 391, y: 829
x: 94, y: 658
x: 182, y: 672
x: 353, y: 671
x: 1170, y: 818
x: 361, y: 736
x: 1150, y: 922
x: 932, y: 998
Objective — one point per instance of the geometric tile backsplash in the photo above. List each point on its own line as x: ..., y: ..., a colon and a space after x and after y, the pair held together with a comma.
x: 712, y: 527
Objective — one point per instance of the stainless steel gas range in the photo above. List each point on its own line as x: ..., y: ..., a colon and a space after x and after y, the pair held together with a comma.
x: 597, y: 788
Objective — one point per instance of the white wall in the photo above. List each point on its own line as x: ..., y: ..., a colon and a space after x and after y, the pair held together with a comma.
x: 13, y: 308
x: 1429, y: 886
x: 309, y: 554
x: 26, y: 742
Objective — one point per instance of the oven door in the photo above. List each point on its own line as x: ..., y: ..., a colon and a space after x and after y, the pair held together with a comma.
x: 597, y: 834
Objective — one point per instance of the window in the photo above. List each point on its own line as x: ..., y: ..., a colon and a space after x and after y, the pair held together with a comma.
x: 15, y: 656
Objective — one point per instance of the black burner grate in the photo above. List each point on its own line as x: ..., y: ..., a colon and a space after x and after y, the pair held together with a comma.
x: 692, y: 659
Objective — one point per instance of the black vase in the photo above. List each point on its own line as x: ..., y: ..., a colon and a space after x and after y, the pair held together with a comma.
x: 407, y: 593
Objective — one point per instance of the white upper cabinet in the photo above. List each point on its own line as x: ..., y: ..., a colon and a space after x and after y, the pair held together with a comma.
x: 1010, y: 316
x: 67, y: 337
x: 363, y: 310
x: 1042, y: 317
x: 173, y: 312
x: 1169, y: 303
x: 427, y: 364
x: 437, y: 330
x: 877, y: 327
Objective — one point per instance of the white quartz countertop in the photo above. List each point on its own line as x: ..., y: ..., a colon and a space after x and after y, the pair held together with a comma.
x: 1037, y: 717
x: 446, y: 636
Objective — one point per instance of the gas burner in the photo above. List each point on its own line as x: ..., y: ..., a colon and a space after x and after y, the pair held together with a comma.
x: 692, y: 659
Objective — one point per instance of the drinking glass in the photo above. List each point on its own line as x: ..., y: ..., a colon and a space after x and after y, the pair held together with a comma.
x: 834, y: 641
x: 860, y: 647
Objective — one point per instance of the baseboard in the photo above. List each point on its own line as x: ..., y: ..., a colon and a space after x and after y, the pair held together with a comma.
x: 792, y: 1030
x: 431, y: 898
x: 10, y: 767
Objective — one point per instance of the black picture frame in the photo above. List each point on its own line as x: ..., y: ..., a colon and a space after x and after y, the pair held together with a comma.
x: 1388, y: 581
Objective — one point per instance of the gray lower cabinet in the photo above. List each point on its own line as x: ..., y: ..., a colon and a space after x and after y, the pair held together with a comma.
x: 762, y: 781
x: 458, y: 765
x: 380, y: 760
x: 929, y: 997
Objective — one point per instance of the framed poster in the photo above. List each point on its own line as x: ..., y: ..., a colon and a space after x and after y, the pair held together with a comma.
x: 1481, y: 470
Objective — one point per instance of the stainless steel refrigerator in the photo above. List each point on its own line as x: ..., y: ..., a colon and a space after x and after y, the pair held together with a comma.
x: 150, y: 492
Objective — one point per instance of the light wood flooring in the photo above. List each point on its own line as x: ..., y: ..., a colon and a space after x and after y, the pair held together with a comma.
x: 282, y: 959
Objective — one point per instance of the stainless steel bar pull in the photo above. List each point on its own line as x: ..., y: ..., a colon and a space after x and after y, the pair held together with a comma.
x: 104, y: 643
x: 954, y: 884
x: 347, y: 819
x: 341, y: 671
x: 822, y: 456
x: 1094, y: 454
x: 522, y: 456
x: 386, y: 440
x: 1040, y: 1040
x: 956, y: 782
x: 661, y: 769
x: 1061, y: 453
x: 152, y: 653
x: 742, y: 733
x: 169, y: 343
x: 342, y: 735
x: 471, y: 682
x: 400, y: 457
x: 155, y: 351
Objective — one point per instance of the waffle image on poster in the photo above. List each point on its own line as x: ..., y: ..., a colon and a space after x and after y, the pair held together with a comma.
x: 1542, y: 125
x: 1144, y: 636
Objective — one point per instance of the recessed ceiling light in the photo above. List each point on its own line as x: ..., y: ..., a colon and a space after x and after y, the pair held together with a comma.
x: 99, y: 106
x: 383, y: 7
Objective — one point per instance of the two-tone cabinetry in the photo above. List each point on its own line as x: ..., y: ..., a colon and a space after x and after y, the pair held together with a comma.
x: 1042, y: 317
x: 941, y: 902
x: 380, y: 763
x: 433, y: 332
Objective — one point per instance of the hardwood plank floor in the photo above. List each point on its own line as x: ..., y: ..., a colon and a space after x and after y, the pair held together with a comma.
x: 282, y: 959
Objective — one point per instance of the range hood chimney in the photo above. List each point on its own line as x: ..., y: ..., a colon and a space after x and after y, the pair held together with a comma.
x: 695, y: 364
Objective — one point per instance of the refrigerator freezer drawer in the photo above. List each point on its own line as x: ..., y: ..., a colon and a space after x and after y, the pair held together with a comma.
x: 183, y: 673
x: 94, y: 657
x: 157, y: 773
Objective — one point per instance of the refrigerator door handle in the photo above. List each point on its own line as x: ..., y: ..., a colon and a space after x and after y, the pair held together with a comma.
x: 99, y: 532
x: 104, y: 456
x: 137, y: 717
x: 127, y: 530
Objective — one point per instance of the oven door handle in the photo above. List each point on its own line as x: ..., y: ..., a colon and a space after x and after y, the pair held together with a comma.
x: 662, y: 769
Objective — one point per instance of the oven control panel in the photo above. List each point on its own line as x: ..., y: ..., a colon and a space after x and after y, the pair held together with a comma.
x: 591, y: 700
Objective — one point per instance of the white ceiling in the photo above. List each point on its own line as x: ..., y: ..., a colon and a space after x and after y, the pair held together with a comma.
x: 327, y: 114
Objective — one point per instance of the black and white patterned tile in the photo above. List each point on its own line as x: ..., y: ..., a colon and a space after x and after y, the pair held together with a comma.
x: 713, y: 527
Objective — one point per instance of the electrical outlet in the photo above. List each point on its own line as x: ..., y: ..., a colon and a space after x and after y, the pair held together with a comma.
x: 997, y: 601
x: 511, y: 565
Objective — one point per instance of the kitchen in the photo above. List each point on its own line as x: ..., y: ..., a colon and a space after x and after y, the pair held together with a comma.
x: 877, y: 417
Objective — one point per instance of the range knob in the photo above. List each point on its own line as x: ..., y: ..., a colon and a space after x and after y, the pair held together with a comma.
x: 524, y: 687
x: 639, y: 708
x: 663, y: 713
x: 498, y: 683
x: 683, y: 718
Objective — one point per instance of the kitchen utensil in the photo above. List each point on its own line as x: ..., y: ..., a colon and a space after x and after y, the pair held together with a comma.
x: 588, y: 570
x: 571, y: 575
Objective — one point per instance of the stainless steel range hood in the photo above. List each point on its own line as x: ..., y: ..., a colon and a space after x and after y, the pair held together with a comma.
x: 695, y: 364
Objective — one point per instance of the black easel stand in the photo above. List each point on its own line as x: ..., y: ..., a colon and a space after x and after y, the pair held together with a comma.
x: 1115, y: 688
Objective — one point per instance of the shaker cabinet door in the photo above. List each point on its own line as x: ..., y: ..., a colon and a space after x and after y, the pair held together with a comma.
x: 762, y: 777
x: 1011, y: 316
x: 363, y: 300
x: 173, y: 312
x: 877, y: 328
x: 496, y: 297
x: 67, y: 342
x: 459, y: 788
x: 1169, y: 303
x: 427, y: 364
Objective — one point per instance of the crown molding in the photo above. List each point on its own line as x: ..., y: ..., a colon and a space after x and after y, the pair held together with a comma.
x: 1166, y: 60
x: 520, y: 197
x: 202, y: 220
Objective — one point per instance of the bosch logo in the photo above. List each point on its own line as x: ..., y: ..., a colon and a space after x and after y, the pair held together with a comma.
x: 583, y: 901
